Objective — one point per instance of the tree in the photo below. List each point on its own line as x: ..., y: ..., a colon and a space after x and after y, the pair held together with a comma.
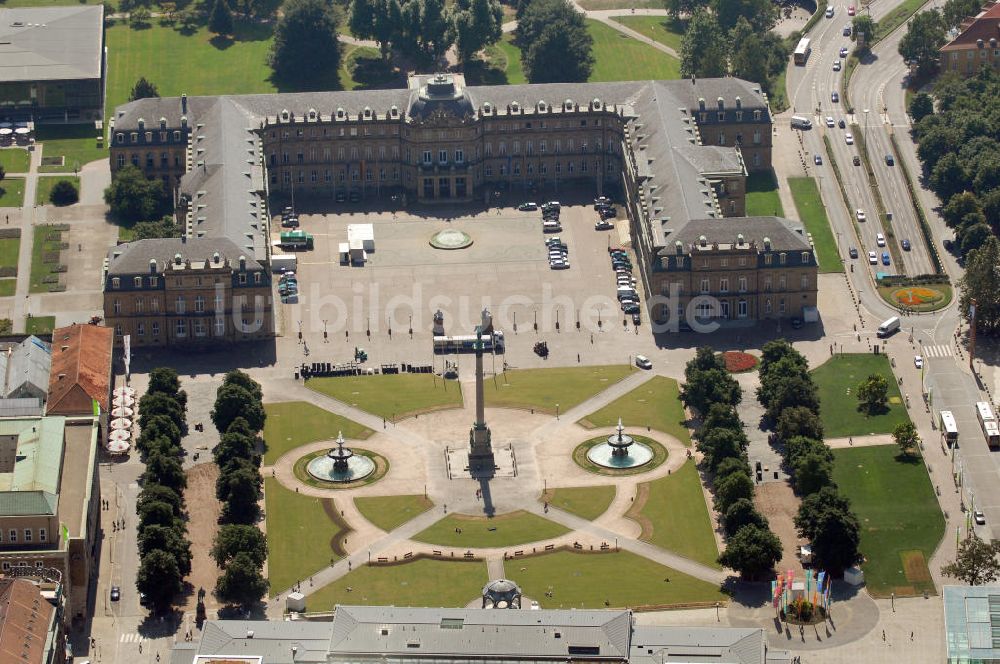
x: 163, y: 494
x: 720, y: 416
x: 555, y: 42
x: 234, y: 401
x: 813, y: 471
x: 835, y: 541
x: 743, y: 513
x: 159, y: 578
x: 925, y: 35
x: 157, y: 403
x: 132, y: 197
x: 906, y: 436
x: 762, y: 15
x: 705, y: 388
x: 974, y: 237
x: 791, y: 392
x: 976, y: 562
x: 240, y: 488
x: 169, y: 539
x: 703, y: 47
x: 955, y: 11
x: 746, y: 58
x: 752, y: 551
x: 3, y: 172
x: 143, y: 89
x: 138, y: 18
x: 731, y: 465
x: 233, y: 539
x: 166, y: 381
x: 233, y: 446
x: 958, y: 206
x: 705, y: 358
x: 948, y: 176
x: 161, y: 425
x: 864, y: 30
x: 981, y: 282
x: 165, y: 470
x: 241, y: 583
x: 798, y: 421
x: 221, y: 19
x: 720, y: 444
x: 800, y: 446
x: 476, y: 27
x: 873, y: 394
x: 156, y: 513
x: 730, y: 489
x: 677, y: 8
x: 243, y: 379
x: 63, y: 193
x: 815, y: 506
x: 305, y: 53
x: 921, y: 106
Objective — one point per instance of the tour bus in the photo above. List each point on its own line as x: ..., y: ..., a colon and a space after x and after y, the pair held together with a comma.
x: 802, y: 51
x: 949, y: 430
x: 988, y: 421
x: 466, y: 343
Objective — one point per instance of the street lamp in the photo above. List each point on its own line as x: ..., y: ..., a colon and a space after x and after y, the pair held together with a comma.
x: 866, y: 127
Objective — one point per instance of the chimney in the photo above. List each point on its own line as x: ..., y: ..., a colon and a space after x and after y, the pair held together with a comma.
x: 184, y: 103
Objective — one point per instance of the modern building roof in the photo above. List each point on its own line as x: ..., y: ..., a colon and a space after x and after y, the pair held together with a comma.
x: 983, y: 27
x: 25, y: 619
x: 136, y: 258
x: 972, y: 623
x: 81, y: 369
x: 30, y: 485
x: 51, y: 43
x: 24, y: 368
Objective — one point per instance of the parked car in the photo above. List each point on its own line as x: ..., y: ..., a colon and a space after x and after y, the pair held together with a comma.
x: 643, y: 362
x: 841, y: 124
x: 829, y: 121
x: 354, y: 197
x: 834, y: 97
x: 905, y: 244
x: 796, y: 323
x: 836, y: 65
x: 632, y: 308
x: 918, y: 361
x: 527, y: 207
x: 856, y: 161
x: 847, y: 30
x: 340, y: 197
x: 850, y: 10
x: 843, y: 51
x: 817, y: 159
x: 829, y: 12
x: 603, y: 226
x: 116, y: 593
x: 979, y: 517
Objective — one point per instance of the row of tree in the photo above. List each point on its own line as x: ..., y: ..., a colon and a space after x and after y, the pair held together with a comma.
x: 751, y: 548
x: 791, y: 402
x: 164, y: 550
x: 240, y: 548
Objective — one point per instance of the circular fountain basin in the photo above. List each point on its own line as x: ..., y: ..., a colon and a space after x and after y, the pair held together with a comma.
x: 358, y: 467
x: 602, y: 454
x: 451, y: 239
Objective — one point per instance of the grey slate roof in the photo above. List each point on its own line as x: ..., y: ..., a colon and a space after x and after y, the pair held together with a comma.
x: 273, y: 641
x: 28, y: 503
x: 134, y: 258
x: 25, y: 368
x: 23, y: 407
x: 51, y: 43
x: 785, y: 234
x: 735, y: 645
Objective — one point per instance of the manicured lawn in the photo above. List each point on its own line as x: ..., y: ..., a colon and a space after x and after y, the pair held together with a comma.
x: 661, y: 28
x: 7, y: 287
x: 39, y: 324
x: 12, y: 192
x: 587, y: 502
x: 606, y: 580
x: 513, y: 69
x: 896, y: 17
x: 542, y: 389
x: 9, y: 246
x: 674, y: 516
x: 46, y: 245
x: 480, y: 532
x: 762, y: 195
x: 813, y: 214
x: 392, y: 396
x: 618, y: 57
x: 303, y: 535
x: 14, y: 160
x: 424, y: 582
x: 45, y: 185
x: 654, y: 404
x: 837, y: 380
x: 899, y: 514
x: 390, y: 512
x: 293, y: 423
x: 591, y: 5
x: 77, y: 144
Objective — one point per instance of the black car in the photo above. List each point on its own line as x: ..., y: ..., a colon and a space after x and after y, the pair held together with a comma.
x: 853, y: 252
x: 889, y: 161
x: 857, y: 160
x: 289, y: 222
x: 116, y: 593
x: 636, y: 319
x: 841, y: 124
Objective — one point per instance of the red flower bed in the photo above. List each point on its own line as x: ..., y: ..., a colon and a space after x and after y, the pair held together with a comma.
x: 737, y: 362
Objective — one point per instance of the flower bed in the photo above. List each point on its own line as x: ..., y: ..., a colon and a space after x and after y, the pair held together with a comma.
x: 914, y: 295
x: 738, y: 362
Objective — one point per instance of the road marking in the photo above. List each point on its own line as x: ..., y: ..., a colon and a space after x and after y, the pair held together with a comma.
x: 941, y: 350
x: 131, y: 637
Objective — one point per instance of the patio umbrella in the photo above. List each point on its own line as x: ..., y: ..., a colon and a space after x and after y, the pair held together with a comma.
x: 124, y: 392
x: 120, y: 434
x: 123, y: 402
x: 5, y: 131
x: 22, y: 131
x: 121, y: 411
x: 118, y: 446
x: 121, y: 423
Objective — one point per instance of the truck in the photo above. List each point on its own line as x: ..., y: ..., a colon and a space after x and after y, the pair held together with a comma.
x: 296, y: 240
x: 988, y: 422
x: 889, y: 327
x: 466, y: 343
x: 284, y: 262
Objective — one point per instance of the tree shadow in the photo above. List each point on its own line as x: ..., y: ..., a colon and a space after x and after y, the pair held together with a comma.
x: 250, y: 31
x: 221, y: 42
x: 908, y: 458
x: 478, y: 72
x: 370, y: 71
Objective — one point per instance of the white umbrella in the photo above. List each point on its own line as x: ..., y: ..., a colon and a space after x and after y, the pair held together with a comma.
x: 22, y: 131
x: 123, y: 401
x: 121, y: 411
x: 120, y: 434
x: 121, y: 423
x: 118, y: 446
x: 124, y: 392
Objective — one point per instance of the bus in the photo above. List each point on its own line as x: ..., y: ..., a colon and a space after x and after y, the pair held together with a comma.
x: 802, y: 51
x: 988, y: 421
x: 949, y: 430
x: 466, y: 343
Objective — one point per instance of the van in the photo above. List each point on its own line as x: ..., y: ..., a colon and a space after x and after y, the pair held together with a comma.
x: 551, y: 227
x: 801, y: 122
x: 888, y: 327
x: 627, y: 293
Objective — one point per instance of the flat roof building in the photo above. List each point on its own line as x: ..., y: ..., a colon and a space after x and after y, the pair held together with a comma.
x: 972, y: 623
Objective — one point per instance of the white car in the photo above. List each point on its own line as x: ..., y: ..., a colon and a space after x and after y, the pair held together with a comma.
x: 849, y: 137
x: 880, y: 239
x: 860, y: 214
x: 643, y: 362
x: 872, y: 258
x: 918, y: 361
x: 829, y: 121
x: 836, y: 65
x: 829, y: 12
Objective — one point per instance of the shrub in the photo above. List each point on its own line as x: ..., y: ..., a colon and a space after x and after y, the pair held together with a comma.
x: 63, y: 193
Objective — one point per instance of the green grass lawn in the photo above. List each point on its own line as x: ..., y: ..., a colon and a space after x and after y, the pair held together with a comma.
x: 618, y: 57
x: 899, y: 514
x: 12, y: 192
x: 423, y: 582
x: 76, y: 144
x: 9, y: 247
x: 655, y: 403
x: 762, y: 195
x: 661, y: 28
x: 14, y: 160
x: 512, y: 55
x: 587, y: 502
x: 7, y: 287
x: 542, y: 389
x: 45, y: 185
x: 592, y: 5
x: 303, y: 535
x: 839, y: 410
x: 606, y: 580
x: 390, y: 512
x: 511, y: 529
x: 813, y: 214
x: 293, y: 423
x: 47, y: 241
x: 39, y: 324
x: 392, y: 396
x: 896, y: 17
x: 674, y: 516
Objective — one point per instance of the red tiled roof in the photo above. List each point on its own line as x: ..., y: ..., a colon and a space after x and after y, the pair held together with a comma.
x: 984, y: 26
x: 81, y: 369
x: 24, y: 622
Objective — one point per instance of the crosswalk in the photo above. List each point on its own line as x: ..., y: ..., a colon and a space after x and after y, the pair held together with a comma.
x: 940, y: 350
x: 131, y: 637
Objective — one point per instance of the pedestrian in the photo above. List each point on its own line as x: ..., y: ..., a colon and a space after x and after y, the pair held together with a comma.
x: 883, y: 635
x: 911, y: 636
x: 850, y: 440
x: 140, y: 647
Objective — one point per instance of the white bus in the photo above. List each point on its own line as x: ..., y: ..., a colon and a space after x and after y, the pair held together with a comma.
x: 492, y: 343
x: 949, y: 430
x: 988, y: 421
x: 802, y: 51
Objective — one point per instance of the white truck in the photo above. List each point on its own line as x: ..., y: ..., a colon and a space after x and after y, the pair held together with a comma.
x: 284, y: 262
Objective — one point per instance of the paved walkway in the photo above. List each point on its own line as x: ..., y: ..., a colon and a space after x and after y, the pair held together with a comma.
x: 22, y: 299
x: 861, y: 441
